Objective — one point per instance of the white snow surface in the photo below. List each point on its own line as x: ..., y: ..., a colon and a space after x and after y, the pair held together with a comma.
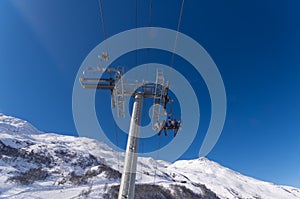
x: 19, y: 134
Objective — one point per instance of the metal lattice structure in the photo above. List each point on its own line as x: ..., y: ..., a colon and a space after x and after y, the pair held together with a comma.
x: 120, y: 90
x: 161, y: 89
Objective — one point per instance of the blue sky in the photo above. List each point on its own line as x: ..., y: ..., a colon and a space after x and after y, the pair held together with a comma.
x: 255, y: 44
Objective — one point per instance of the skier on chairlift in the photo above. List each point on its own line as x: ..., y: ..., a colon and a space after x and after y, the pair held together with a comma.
x: 170, y: 124
x: 173, y: 123
x: 176, y: 127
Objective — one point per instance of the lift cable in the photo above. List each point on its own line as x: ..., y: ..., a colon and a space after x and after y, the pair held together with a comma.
x: 106, y: 46
x: 149, y: 32
x: 176, y: 37
x: 136, y: 25
x: 171, y: 65
x: 104, y: 54
x: 102, y: 19
x: 148, y: 59
x: 150, y: 12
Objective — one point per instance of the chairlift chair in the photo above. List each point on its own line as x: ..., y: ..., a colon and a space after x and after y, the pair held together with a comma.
x: 167, y: 124
x: 92, y: 78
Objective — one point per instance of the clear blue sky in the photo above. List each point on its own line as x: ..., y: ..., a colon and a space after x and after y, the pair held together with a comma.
x: 255, y: 44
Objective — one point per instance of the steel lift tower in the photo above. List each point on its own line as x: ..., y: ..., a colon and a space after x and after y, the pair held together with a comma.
x: 112, y: 79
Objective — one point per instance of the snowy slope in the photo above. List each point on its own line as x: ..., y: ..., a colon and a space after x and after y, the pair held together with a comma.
x: 228, y: 183
x: 44, y: 165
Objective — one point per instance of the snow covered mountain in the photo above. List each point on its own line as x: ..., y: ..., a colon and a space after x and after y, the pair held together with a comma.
x: 44, y: 165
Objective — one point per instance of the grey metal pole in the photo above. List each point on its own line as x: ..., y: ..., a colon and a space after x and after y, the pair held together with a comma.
x: 127, y: 185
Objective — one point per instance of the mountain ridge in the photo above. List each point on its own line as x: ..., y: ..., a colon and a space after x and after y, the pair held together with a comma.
x: 37, y: 164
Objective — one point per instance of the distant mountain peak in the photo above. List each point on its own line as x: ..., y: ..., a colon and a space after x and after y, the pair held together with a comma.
x: 16, y: 126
